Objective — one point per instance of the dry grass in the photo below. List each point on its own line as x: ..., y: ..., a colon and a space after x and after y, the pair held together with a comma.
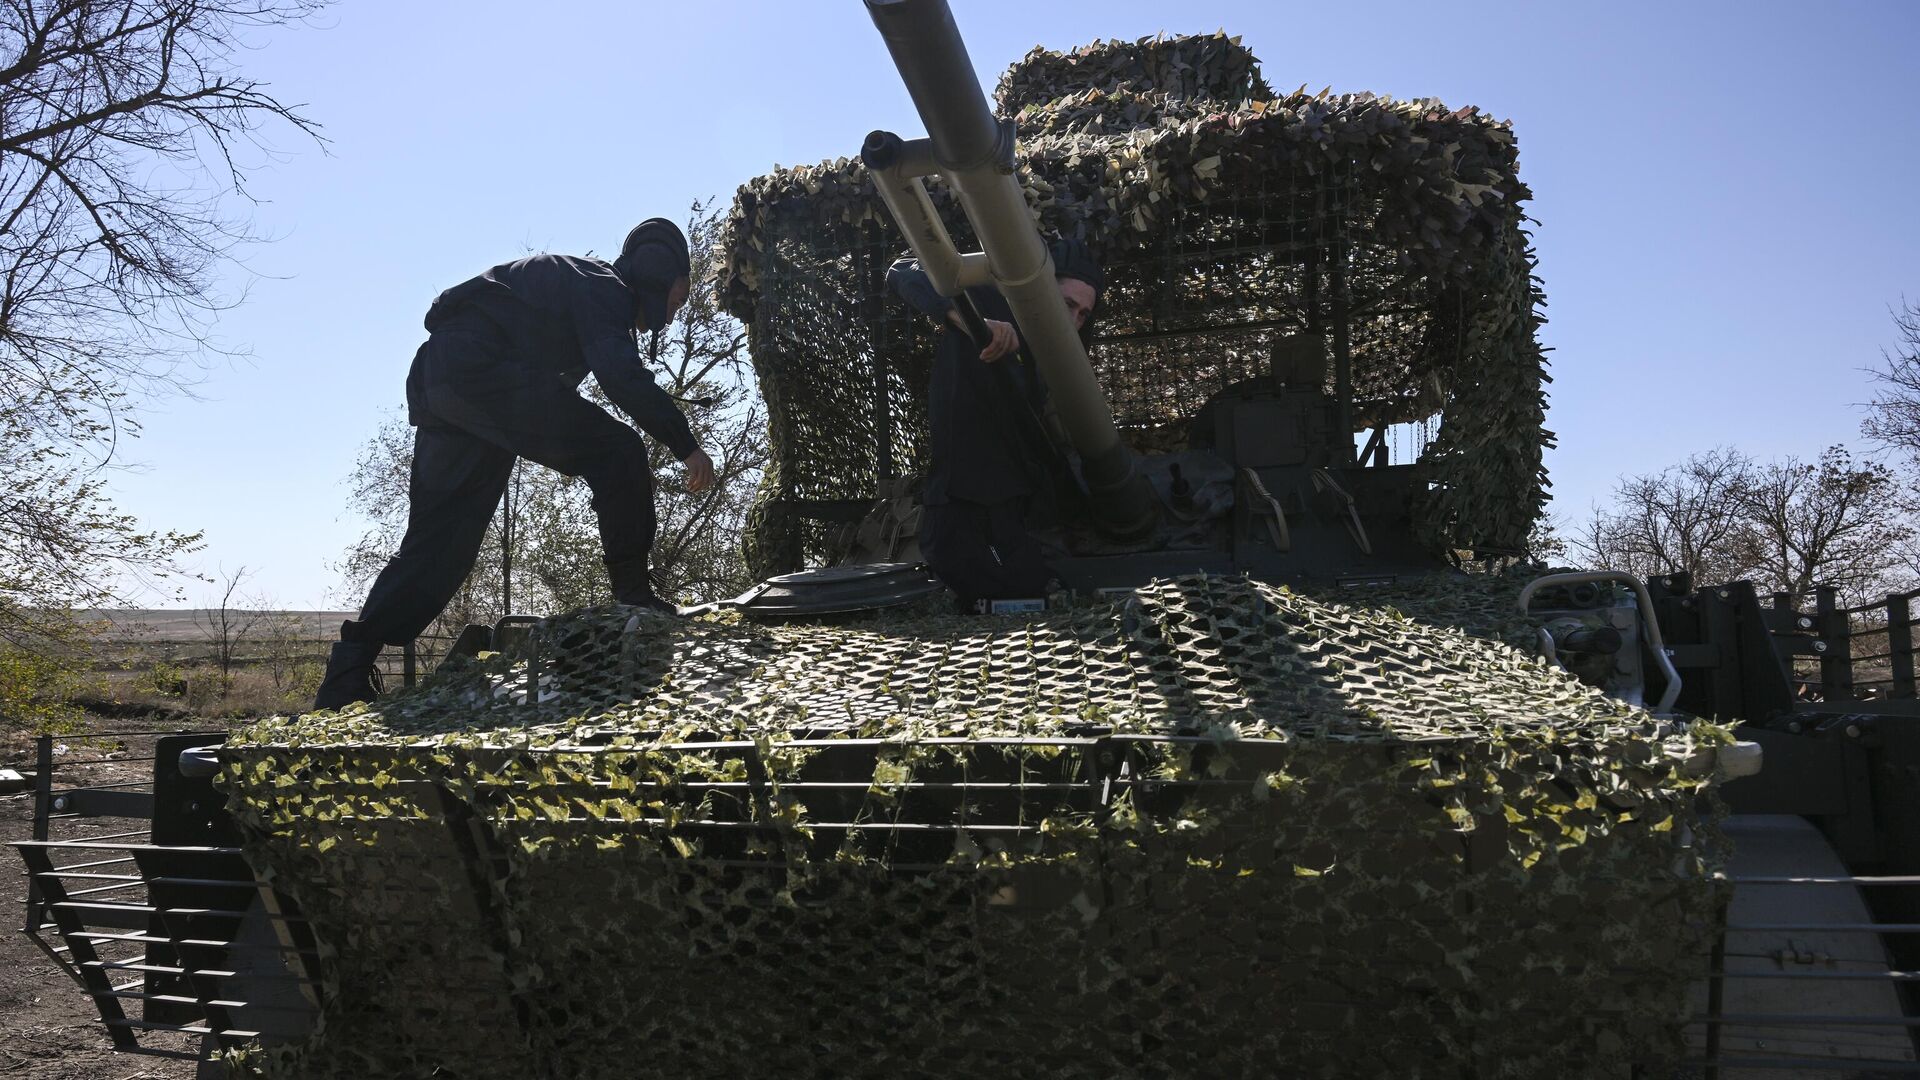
x: 170, y: 690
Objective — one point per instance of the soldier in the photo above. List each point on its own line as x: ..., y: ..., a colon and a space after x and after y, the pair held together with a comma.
x: 990, y: 456
x: 496, y: 380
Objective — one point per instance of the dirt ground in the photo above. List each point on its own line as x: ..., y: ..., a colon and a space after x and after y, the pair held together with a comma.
x: 48, y: 1027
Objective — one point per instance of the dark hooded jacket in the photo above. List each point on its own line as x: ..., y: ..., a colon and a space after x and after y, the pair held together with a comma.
x: 563, y: 316
x: 987, y: 442
x: 981, y: 448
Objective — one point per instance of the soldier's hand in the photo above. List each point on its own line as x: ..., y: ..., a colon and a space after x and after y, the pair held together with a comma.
x: 1005, y: 340
x: 699, y: 471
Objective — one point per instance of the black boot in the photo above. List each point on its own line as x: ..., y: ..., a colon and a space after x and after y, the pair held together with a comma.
x: 632, y: 584
x: 350, y: 671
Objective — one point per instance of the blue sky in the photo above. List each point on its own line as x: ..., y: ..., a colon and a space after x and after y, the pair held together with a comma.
x: 1725, y: 197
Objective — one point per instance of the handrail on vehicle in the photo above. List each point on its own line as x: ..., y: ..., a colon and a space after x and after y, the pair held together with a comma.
x: 1594, y: 577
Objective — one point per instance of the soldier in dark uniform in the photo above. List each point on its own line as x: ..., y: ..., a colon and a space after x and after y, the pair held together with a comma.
x: 989, y: 455
x: 497, y: 380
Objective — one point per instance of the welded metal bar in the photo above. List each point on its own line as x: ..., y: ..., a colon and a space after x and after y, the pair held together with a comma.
x: 869, y: 268
x: 97, y: 862
x: 1794, y: 1020
x: 1716, y: 993
x: 98, y: 889
x: 225, y: 1003
x: 140, y: 938
x: 158, y: 969
x: 42, y: 805
x: 190, y: 1029
x: 148, y: 831
x: 152, y: 734
x: 1342, y: 345
x: 832, y: 785
x: 104, y: 787
x: 1711, y: 1066
x: 89, y: 877
x: 1845, y: 928
x: 616, y: 822
x: 1843, y: 976
x: 1908, y: 879
x: 1836, y: 664
x: 1876, y: 605
x: 148, y: 909
x: 824, y: 743
x: 82, y: 952
x: 1290, y: 323
x: 95, y: 845
x: 205, y: 982
x: 213, y: 882
x: 1900, y: 644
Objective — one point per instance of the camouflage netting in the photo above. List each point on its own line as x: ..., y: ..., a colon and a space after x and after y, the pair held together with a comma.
x: 1227, y: 218
x: 1220, y: 829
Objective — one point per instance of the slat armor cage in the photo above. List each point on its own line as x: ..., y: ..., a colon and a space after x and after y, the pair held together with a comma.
x: 1226, y: 217
x: 1215, y: 829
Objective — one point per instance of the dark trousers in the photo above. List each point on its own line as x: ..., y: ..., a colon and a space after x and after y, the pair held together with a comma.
x: 474, y: 412
x: 983, y: 551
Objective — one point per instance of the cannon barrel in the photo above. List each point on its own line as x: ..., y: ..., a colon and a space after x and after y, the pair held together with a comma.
x: 974, y: 152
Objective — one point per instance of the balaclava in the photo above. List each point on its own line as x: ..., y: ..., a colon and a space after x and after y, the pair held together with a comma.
x: 653, y: 257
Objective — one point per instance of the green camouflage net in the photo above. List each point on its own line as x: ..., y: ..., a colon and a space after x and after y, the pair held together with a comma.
x: 1217, y: 829
x: 1227, y: 218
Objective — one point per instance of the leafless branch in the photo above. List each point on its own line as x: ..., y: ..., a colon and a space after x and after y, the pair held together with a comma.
x: 124, y: 125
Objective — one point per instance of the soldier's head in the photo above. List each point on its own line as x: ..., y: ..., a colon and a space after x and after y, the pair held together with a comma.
x: 653, y: 263
x: 1080, y: 280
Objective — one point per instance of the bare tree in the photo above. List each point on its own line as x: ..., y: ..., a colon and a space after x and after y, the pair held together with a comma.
x: 1893, y: 420
x: 1833, y: 522
x: 123, y: 126
x: 288, y: 645
x: 107, y: 258
x: 225, y: 625
x: 1893, y: 417
x: 1786, y: 525
x: 1687, y: 517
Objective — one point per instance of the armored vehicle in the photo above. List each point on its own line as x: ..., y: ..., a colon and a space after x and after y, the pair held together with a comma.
x: 1296, y: 774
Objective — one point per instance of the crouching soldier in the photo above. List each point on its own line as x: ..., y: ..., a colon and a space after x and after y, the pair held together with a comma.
x: 496, y: 380
x: 989, y: 454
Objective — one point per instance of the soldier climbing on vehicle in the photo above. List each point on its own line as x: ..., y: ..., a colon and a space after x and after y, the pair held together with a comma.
x: 497, y: 380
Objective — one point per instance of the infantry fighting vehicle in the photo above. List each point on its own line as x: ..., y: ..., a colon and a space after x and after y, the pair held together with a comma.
x: 1274, y: 785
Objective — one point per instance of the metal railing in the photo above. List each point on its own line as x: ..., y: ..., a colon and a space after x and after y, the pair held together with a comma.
x: 163, y: 931
x: 1865, y: 651
x: 1851, y: 1019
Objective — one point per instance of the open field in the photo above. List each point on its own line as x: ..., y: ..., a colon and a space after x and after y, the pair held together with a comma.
x: 191, y: 624
x: 181, y: 661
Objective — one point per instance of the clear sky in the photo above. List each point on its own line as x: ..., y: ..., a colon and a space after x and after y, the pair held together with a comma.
x: 1725, y: 195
